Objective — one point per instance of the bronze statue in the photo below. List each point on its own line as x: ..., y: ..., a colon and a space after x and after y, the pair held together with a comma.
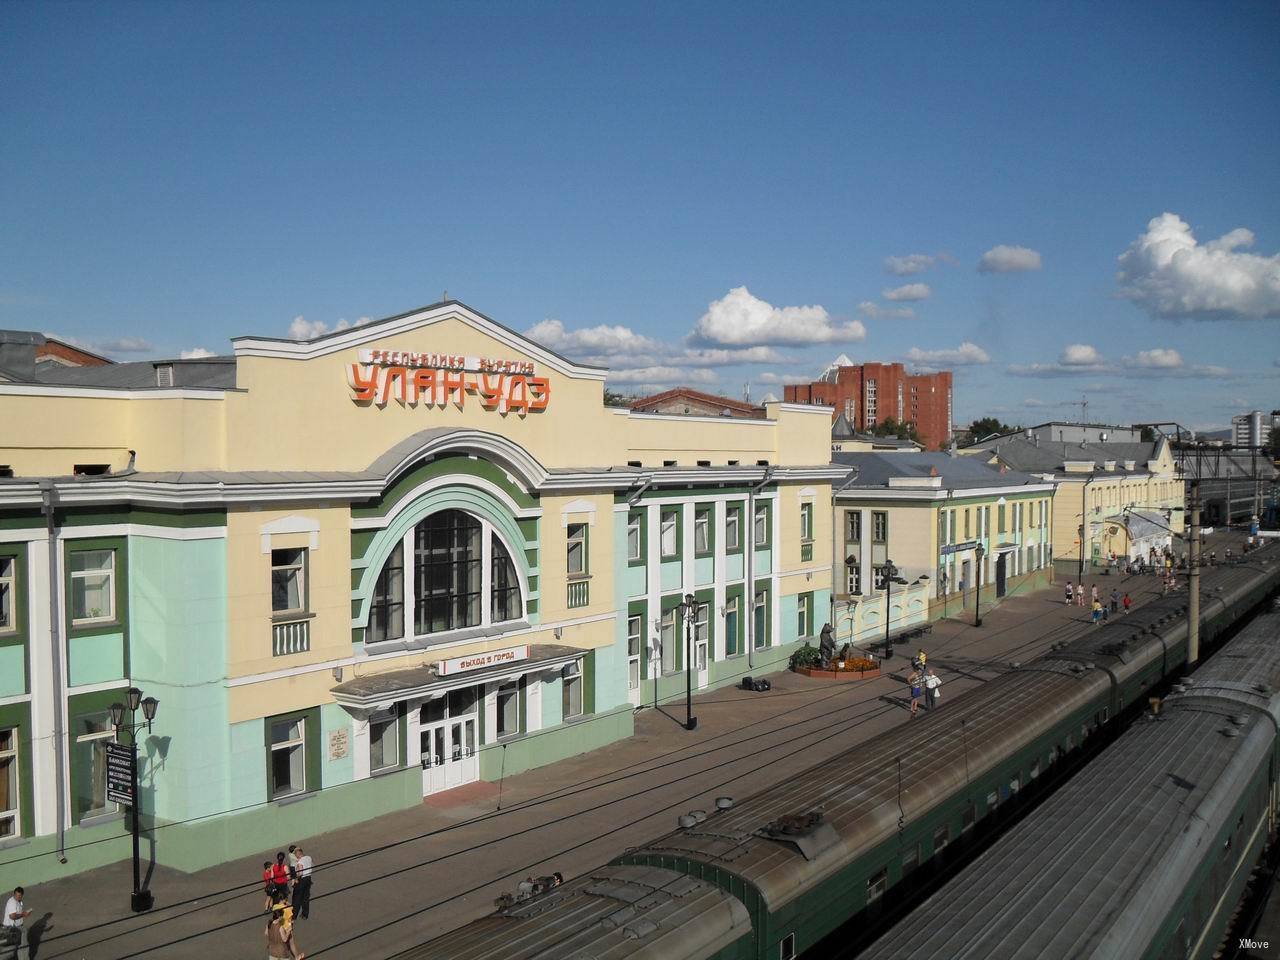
x: 827, y: 646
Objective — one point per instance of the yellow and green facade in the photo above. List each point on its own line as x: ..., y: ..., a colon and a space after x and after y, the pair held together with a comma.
x: 370, y: 567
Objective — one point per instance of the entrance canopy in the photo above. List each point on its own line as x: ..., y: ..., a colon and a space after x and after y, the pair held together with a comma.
x: 380, y: 690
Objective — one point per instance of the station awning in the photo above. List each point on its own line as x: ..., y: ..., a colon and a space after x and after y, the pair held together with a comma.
x: 379, y: 690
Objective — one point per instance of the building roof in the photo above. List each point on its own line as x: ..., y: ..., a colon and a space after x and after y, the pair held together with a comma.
x: 874, y: 470
x: 688, y: 393
x: 216, y: 372
x: 1050, y: 456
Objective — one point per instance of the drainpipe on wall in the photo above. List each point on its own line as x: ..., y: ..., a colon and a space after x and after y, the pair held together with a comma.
x: 750, y: 590
x: 55, y: 658
x: 838, y: 575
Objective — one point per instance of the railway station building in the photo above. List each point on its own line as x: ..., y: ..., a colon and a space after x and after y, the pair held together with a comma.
x: 1131, y: 493
x: 367, y: 567
x: 920, y: 536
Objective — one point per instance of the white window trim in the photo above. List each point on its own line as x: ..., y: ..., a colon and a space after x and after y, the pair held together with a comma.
x: 733, y: 517
x: 109, y: 735
x: 111, y: 581
x: 514, y: 684
x: 663, y: 517
x: 379, y: 716
x: 638, y: 633
x: 569, y: 541
x: 566, y: 685
x: 299, y: 742
x: 702, y: 520
x: 635, y: 523
x: 11, y: 580
x: 15, y: 813
x: 303, y: 582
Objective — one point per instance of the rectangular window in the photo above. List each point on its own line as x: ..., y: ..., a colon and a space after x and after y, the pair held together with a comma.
x: 806, y: 521
x: 879, y: 577
x: 733, y: 530
x: 634, y: 542
x: 762, y: 620
x: 635, y: 629
x: 702, y: 531
x: 942, y: 527
x: 787, y: 948
x: 8, y: 587
x: 879, y: 526
x: 970, y: 817
x: 288, y: 757
x: 670, y: 535
x: 9, y: 824
x: 93, y: 733
x: 853, y: 526
x: 288, y: 581
x: 571, y: 695
x: 941, y: 837
x: 667, y: 637
x: 508, y: 709
x: 731, y: 627
x: 802, y: 614
x: 853, y: 578
x: 910, y: 860
x: 93, y: 586
x: 577, y: 549
x: 386, y: 609
x: 966, y: 523
x: 762, y: 526
x: 876, y: 884
x: 1000, y: 518
x: 384, y: 741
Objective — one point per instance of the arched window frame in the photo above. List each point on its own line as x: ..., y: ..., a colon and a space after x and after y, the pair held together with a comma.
x: 488, y: 533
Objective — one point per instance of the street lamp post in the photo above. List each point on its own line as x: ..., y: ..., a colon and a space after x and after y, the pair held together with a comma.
x: 980, y: 553
x: 890, y: 571
x: 689, y: 610
x: 141, y: 900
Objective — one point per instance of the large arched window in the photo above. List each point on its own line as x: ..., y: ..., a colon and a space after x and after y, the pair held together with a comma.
x: 462, y: 576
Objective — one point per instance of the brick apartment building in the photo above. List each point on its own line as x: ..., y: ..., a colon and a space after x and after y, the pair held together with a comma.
x: 870, y: 393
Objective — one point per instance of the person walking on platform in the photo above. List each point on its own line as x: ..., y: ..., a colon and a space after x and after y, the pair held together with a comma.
x: 915, y: 682
x: 11, y: 926
x: 1097, y: 613
x: 1115, y: 601
x: 1126, y: 602
x: 1069, y: 591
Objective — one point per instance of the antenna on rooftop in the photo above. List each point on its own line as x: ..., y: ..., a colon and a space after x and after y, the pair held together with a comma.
x: 1083, y: 404
x: 746, y: 392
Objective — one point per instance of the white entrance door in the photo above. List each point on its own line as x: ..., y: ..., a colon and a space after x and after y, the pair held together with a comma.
x: 449, y: 742
x: 701, y: 635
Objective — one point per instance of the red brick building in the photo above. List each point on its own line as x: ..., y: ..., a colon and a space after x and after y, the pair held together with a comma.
x: 689, y: 402
x: 870, y: 393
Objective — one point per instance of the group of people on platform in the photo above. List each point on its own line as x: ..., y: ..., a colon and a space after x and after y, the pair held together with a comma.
x: 923, y: 681
x: 1119, y: 602
x: 287, y: 884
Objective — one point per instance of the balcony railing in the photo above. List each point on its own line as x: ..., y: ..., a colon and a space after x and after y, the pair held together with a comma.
x: 579, y: 593
x: 806, y: 552
x: 290, y: 636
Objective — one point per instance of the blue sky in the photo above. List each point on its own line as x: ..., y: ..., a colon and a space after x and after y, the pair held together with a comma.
x: 692, y: 193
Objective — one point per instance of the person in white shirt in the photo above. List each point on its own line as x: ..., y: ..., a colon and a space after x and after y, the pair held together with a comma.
x: 302, y: 888
x: 11, y: 924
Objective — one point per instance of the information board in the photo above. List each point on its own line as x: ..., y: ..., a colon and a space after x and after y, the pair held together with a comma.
x: 121, y: 758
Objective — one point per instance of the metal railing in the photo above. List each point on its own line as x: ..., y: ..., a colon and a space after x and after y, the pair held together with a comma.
x: 579, y: 593
x: 290, y: 636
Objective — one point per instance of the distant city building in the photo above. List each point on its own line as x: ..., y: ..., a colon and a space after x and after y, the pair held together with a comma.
x: 25, y: 355
x: 1061, y: 431
x: 866, y: 394
x: 844, y: 439
x: 686, y: 401
x: 1253, y: 429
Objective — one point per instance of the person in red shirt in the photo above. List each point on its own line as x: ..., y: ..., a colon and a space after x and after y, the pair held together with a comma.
x: 1126, y: 601
x: 280, y: 878
x: 268, y: 883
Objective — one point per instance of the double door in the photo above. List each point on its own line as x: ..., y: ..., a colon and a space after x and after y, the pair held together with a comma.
x: 448, y: 731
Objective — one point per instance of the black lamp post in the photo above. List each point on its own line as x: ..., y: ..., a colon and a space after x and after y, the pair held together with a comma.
x: 141, y: 900
x: 977, y: 594
x: 890, y: 571
x: 689, y: 611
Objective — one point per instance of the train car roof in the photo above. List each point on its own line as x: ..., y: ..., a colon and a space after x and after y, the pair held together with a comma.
x: 1094, y: 872
x: 614, y: 913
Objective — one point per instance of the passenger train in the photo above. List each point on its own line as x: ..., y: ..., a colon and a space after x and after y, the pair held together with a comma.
x: 772, y: 875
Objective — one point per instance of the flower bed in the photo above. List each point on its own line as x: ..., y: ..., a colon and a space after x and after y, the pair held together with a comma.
x: 859, y: 668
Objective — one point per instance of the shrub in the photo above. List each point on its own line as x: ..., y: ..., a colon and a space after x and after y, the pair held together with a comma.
x: 806, y: 656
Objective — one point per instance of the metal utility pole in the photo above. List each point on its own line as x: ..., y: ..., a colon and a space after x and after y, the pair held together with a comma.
x: 1193, y: 580
x: 690, y: 611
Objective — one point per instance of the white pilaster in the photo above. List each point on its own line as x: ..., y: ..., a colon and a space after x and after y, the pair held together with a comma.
x: 43, y: 769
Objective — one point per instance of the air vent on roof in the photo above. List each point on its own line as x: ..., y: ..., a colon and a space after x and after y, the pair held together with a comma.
x: 164, y: 375
x: 634, y: 463
x: 91, y: 469
x: 704, y: 463
x: 668, y: 463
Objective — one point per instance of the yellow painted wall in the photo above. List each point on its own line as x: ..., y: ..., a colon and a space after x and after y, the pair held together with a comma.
x: 553, y: 557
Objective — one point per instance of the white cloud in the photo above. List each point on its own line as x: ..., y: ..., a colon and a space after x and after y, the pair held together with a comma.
x: 196, y: 353
x: 1007, y: 259
x: 598, y: 340
x: 619, y: 346
x: 910, y: 291
x: 1080, y: 355
x: 303, y: 329
x: 874, y: 311
x: 126, y: 345
x: 782, y: 378
x: 1164, y: 358
x: 967, y: 354
x: 909, y: 265
x: 662, y: 376
x: 1170, y: 274
x: 740, y: 319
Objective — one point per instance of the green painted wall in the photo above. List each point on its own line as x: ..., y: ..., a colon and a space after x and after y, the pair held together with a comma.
x: 763, y: 562
x: 671, y: 576
x: 178, y: 638
x: 556, y: 743
x: 735, y: 566
x: 333, y: 717
x: 704, y: 571
x: 96, y: 658
x: 552, y: 702
x: 790, y: 605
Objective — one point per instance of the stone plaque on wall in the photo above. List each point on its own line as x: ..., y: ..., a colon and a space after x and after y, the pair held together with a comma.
x: 339, y: 743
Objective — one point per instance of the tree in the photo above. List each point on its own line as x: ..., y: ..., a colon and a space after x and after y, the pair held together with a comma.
x: 1147, y: 435
x: 890, y: 427
x: 612, y: 398
x: 986, y: 426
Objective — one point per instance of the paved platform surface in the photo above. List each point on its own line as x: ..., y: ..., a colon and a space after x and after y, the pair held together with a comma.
x: 397, y: 880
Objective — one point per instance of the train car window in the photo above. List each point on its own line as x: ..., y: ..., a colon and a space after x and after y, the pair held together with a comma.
x: 787, y: 948
x: 876, y: 884
x: 910, y: 860
x: 993, y: 801
x: 970, y: 816
x: 1035, y: 769
x: 1071, y: 743
x: 1015, y: 785
x: 941, y: 837
x: 1106, y: 714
